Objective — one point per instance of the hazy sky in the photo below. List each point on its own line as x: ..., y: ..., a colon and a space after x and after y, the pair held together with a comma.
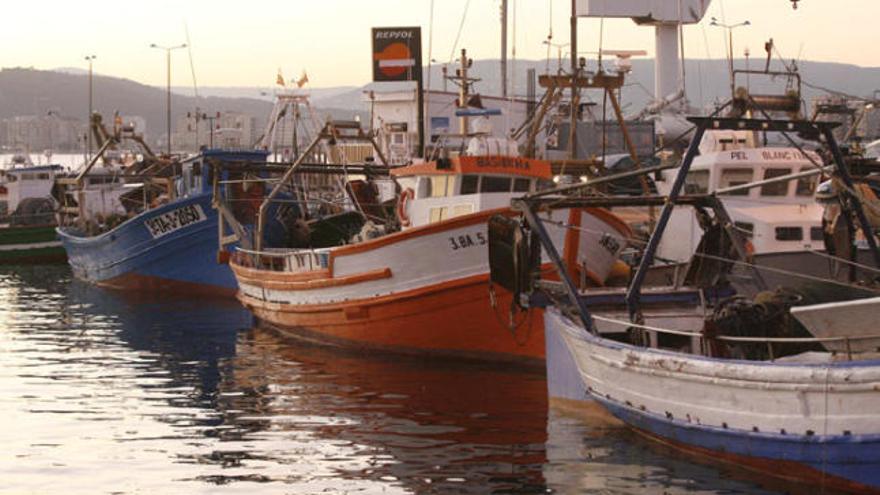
x: 245, y: 42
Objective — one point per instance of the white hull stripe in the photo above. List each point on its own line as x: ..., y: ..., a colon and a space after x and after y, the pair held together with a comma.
x: 26, y: 246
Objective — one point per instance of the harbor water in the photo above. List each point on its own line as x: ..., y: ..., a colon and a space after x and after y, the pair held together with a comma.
x: 104, y: 393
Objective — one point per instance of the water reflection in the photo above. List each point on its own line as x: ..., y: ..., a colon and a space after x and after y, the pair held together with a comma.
x: 108, y: 393
x: 399, y: 423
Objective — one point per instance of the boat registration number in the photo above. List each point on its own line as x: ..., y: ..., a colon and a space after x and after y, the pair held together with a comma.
x: 167, y: 223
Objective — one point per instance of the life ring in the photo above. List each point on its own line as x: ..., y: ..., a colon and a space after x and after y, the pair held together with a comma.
x: 402, y: 202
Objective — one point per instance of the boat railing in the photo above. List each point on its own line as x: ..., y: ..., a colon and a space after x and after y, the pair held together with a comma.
x: 769, y: 341
x: 284, y: 260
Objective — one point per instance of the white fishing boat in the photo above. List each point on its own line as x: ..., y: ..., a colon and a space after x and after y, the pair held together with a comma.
x: 806, y: 421
x: 417, y: 281
x: 781, y: 220
x: 423, y: 289
x: 727, y: 379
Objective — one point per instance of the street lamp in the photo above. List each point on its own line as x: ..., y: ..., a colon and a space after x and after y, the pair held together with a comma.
x: 730, y: 28
x: 168, y: 50
x: 89, y: 59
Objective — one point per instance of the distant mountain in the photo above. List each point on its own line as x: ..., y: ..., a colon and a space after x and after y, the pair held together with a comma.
x: 25, y: 91
x: 266, y: 93
x: 706, y: 81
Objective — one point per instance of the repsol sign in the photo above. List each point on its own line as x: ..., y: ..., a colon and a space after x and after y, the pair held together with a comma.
x: 397, y: 54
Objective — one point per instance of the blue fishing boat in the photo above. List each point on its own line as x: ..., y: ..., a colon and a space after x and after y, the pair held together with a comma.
x: 169, y: 238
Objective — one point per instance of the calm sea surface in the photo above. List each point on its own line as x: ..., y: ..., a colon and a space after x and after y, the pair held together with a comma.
x: 101, y: 393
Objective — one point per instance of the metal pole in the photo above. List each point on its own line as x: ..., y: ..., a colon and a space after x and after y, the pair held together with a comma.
x: 843, y: 173
x: 572, y: 133
x: 90, y: 59
x: 570, y: 289
x: 168, y: 50
x: 730, y: 61
x: 504, y: 48
x: 463, y: 94
x: 633, y: 294
x: 168, y: 106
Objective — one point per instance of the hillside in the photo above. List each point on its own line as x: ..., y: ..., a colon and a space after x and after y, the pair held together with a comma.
x: 26, y: 91
x: 707, y: 81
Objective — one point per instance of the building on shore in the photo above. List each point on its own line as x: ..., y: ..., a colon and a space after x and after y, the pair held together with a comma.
x: 42, y: 132
x: 216, y: 129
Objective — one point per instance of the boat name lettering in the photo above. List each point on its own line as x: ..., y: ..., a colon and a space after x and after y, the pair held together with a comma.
x: 467, y: 240
x: 739, y: 155
x: 503, y: 162
x: 783, y: 155
x: 173, y: 220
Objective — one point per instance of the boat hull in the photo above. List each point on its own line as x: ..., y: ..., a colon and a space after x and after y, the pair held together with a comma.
x: 805, y: 422
x: 425, y: 290
x: 453, y: 320
x: 30, y: 244
x: 173, y: 247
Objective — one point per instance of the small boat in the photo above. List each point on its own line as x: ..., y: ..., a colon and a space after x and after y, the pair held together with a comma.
x: 726, y: 379
x: 27, y: 233
x: 167, y: 239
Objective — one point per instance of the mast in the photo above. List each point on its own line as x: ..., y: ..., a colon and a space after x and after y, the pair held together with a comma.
x: 572, y: 133
x: 463, y: 92
x: 504, y: 48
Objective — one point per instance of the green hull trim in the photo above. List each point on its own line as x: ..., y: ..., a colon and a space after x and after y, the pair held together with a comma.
x: 37, y: 244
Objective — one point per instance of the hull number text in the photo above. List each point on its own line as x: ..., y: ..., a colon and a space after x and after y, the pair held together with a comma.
x: 467, y: 240
x: 167, y: 223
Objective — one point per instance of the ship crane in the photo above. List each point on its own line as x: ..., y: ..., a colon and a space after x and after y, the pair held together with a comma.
x: 667, y: 17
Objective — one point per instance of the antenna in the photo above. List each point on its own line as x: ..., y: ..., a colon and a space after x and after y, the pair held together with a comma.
x: 189, y: 52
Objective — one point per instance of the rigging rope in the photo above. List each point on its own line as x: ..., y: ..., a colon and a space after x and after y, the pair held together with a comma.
x: 458, y: 35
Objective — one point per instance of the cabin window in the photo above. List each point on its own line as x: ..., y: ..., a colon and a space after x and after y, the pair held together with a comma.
x: 27, y: 176
x: 491, y: 184
x: 789, y: 234
x: 777, y: 188
x: 745, y: 228
x: 459, y: 210
x: 43, y: 176
x: 697, y: 182
x: 806, y: 185
x: 817, y: 234
x: 440, y: 186
x: 470, y: 184
x: 100, y: 180
x: 544, y: 184
x: 521, y: 185
x: 736, y: 177
x: 438, y: 214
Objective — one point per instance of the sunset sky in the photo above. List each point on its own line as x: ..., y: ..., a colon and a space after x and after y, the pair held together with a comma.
x: 237, y: 43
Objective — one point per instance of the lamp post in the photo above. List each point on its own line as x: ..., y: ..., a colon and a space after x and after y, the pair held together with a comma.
x: 168, y: 50
x: 730, y: 28
x: 89, y: 59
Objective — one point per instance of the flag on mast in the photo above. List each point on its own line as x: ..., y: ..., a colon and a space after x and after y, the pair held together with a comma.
x: 302, y: 80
